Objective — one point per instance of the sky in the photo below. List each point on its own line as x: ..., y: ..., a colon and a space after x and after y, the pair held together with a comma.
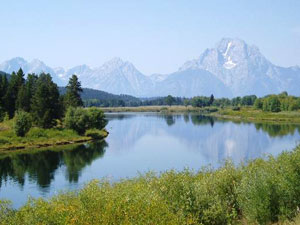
x: 157, y: 36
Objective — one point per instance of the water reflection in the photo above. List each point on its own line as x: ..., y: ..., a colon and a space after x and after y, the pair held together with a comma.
x: 280, y: 130
x: 40, y: 166
x: 139, y: 142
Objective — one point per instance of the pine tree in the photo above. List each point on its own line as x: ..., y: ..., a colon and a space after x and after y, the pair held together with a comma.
x: 26, y: 93
x: 45, y: 105
x: 72, y: 97
x: 169, y: 100
x: 15, y: 83
x: 3, y: 89
x: 211, y: 100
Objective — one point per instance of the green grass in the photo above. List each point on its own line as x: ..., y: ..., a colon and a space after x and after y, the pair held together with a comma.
x: 265, y: 191
x: 251, y: 114
x: 38, y: 137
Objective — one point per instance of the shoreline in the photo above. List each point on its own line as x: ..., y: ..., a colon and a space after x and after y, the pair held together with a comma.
x: 245, y: 114
x: 51, y: 143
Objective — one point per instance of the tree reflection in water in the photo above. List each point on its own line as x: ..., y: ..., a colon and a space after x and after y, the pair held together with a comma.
x: 40, y: 166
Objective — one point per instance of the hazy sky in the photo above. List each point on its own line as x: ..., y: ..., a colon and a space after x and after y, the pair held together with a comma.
x: 157, y: 36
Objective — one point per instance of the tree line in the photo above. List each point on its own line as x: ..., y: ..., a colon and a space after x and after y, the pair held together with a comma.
x: 277, y: 103
x: 36, y: 101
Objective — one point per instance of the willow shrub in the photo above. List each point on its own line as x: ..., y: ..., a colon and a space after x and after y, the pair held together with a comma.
x: 261, y: 192
x: 80, y: 119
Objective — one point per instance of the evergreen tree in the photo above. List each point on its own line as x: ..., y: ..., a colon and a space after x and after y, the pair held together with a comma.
x: 211, y: 100
x: 45, y: 105
x: 3, y: 89
x: 72, y: 97
x: 22, y: 102
x: 10, y: 98
x: 169, y: 100
x: 26, y: 93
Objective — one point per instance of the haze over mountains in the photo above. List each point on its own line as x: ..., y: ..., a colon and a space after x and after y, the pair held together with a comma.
x: 231, y: 68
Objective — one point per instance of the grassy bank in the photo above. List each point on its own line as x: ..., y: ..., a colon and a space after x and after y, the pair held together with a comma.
x: 39, y: 138
x: 261, y: 192
x: 243, y: 114
x: 251, y: 114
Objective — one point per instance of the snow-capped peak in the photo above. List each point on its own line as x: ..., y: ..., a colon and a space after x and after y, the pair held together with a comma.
x: 232, y: 67
x: 227, y: 49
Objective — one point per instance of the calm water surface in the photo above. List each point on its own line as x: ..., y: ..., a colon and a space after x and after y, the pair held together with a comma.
x: 139, y: 142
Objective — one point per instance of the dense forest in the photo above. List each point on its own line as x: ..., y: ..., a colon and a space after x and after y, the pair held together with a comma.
x: 36, y: 101
x: 92, y: 97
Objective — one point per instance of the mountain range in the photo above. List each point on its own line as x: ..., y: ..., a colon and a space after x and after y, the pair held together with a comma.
x: 231, y: 68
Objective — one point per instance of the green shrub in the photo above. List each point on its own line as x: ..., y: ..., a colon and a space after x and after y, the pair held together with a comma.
x: 36, y: 132
x: 96, y: 118
x: 271, y: 104
x: 258, y: 104
x: 76, y: 119
x: 80, y: 119
x: 22, y: 123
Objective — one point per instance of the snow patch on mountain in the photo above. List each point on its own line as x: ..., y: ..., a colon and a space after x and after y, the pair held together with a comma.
x: 231, y: 68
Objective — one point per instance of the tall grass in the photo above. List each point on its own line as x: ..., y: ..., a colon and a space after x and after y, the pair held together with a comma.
x: 261, y: 192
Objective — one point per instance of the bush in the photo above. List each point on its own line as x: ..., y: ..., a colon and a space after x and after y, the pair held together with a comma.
x: 271, y: 104
x: 80, y: 119
x: 258, y: 104
x: 36, y: 132
x: 22, y: 123
x: 96, y: 118
x: 77, y: 119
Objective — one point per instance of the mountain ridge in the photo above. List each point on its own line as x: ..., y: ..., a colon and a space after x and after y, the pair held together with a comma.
x: 230, y: 68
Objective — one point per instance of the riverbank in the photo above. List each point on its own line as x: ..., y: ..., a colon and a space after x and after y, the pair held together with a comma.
x: 41, y: 138
x: 265, y: 191
x: 246, y: 114
x: 249, y: 114
x: 160, y: 109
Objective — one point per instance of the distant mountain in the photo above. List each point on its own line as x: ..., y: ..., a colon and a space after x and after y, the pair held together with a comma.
x: 3, y: 73
x: 231, y: 68
x: 35, y: 66
x: 192, y: 82
x: 115, y: 76
x: 91, y: 94
x: 244, y: 70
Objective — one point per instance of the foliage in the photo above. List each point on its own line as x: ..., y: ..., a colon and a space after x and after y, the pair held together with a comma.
x: 96, y: 118
x: 15, y: 83
x: 261, y: 192
x: 258, y: 104
x: 45, y: 102
x: 76, y: 119
x: 95, y: 133
x: 72, y: 96
x: 38, y: 137
x: 26, y: 93
x: 22, y: 123
x: 80, y: 119
x: 271, y: 104
x: 169, y: 100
